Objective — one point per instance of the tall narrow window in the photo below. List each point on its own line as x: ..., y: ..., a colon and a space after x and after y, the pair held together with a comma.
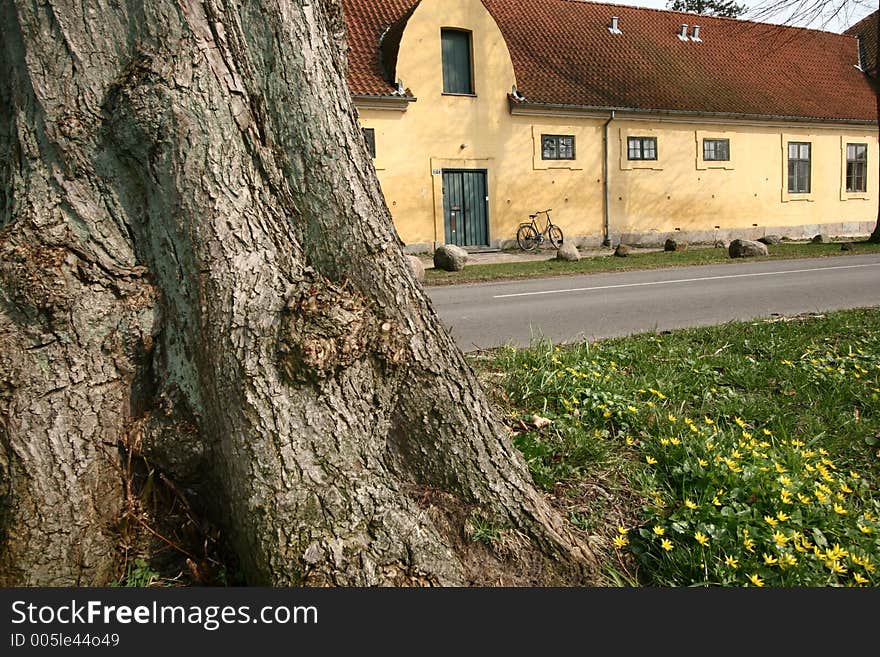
x: 370, y: 140
x: 716, y: 150
x: 641, y: 148
x: 798, y: 167
x: 457, y: 69
x: 557, y: 147
x: 856, y: 167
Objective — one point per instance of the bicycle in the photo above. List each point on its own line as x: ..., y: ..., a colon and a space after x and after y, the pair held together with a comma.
x: 529, y: 238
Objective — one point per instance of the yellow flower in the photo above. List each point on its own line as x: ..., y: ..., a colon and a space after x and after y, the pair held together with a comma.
x: 620, y: 541
x: 675, y: 441
x: 787, y: 560
x: 836, y: 567
x: 779, y: 468
x: 632, y: 409
x: 805, y: 499
x: 666, y: 544
x: 701, y: 538
x: 769, y: 559
x: 651, y: 460
x: 716, y: 501
x: 767, y: 432
x: 839, y: 510
x: 859, y: 579
x: 708, y: 420
x: 672, y: 418
x: 746, y: 435
x: 749, y: 544
x: 845, y: 489
x: 736, y: 454
x: 630, y: 440
x: 703, y: 462
x: 622, y: 530
x: 854, y: 475
x: 782, y: 516
x: 779, y: 538
x: 757, y: 581
x: 785, y: 496
x: 658, y: 530
x: 690, y: 504
x: 770, y: 520
x: 664, y: 441
x: 865, y: 529
x: 731, y: 562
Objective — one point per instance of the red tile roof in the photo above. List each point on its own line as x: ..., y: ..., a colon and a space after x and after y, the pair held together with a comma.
x: 366, y: 22
x: 563, y: 54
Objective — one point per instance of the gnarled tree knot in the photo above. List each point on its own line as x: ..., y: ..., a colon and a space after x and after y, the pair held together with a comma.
x: 328, y: 326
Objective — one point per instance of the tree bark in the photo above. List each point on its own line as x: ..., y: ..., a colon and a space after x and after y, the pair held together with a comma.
x: 197, y: 262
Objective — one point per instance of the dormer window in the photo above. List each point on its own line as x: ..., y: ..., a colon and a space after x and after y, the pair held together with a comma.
x: 457, y: 68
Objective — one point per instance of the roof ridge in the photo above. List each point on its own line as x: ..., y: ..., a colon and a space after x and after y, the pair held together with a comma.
x: 717, y: 18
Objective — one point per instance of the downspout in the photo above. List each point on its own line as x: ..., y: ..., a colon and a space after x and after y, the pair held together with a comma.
x: 607, y: 238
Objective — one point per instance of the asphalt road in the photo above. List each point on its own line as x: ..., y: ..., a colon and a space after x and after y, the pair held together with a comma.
x: 595, y: 306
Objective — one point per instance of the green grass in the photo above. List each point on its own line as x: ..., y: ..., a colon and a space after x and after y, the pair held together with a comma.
x: 645, y: 260
x: 739, y: 455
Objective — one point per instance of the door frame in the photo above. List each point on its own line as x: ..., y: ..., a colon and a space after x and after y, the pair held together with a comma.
x: 485, y: 201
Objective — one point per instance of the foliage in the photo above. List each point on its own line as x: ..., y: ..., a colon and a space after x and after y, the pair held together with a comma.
x: 724, y: 8
x: 140, y: 575
x: 750, y: 449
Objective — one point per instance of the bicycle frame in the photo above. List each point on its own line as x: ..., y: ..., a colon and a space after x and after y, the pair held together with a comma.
x: 529, y: 237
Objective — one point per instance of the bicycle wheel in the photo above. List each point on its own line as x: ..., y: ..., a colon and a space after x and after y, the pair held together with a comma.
x: 555, y: 235
x: 527, y: 237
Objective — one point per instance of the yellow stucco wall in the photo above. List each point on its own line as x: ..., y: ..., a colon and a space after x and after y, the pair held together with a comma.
x: 678, y: 192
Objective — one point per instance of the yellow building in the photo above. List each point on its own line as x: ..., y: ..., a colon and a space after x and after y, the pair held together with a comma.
x: 632, y: 124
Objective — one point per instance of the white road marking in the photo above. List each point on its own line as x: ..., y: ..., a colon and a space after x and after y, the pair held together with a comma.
x: 682, y: 280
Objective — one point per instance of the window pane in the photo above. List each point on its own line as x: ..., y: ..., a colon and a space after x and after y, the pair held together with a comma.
x: 370, y: 139
x: 805, y: 151
x: 650, y: 148
x: 456, y: 53
x: 792, y: 151
x: 634, y: 148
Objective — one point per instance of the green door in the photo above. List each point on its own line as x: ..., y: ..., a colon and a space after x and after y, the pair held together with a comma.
x: 466, y: 207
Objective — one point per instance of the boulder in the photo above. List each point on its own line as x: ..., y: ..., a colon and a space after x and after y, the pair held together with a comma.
x: 450, y: 257
x: 847, y: 246
x: 770, y: 239
x: 821, y: 238
x: 417, y: 267
x: 622, y: 250
x: 568, y: 252
x: 675, y: 245
x: 747, y: 249
x: 720, y: 244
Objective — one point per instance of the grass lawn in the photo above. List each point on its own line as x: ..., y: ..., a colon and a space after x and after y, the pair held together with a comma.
x: 645, y: 260
x: 740, y: 455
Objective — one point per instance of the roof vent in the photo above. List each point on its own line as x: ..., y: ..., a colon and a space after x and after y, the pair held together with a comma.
x: 683, y: 35
x: 695, y: 33
x: 614, y: 28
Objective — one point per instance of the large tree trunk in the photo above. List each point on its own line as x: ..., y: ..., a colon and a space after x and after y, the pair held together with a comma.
x: 197, y: 262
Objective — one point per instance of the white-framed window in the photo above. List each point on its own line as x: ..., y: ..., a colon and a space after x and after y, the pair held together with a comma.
x: 799, y: 167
